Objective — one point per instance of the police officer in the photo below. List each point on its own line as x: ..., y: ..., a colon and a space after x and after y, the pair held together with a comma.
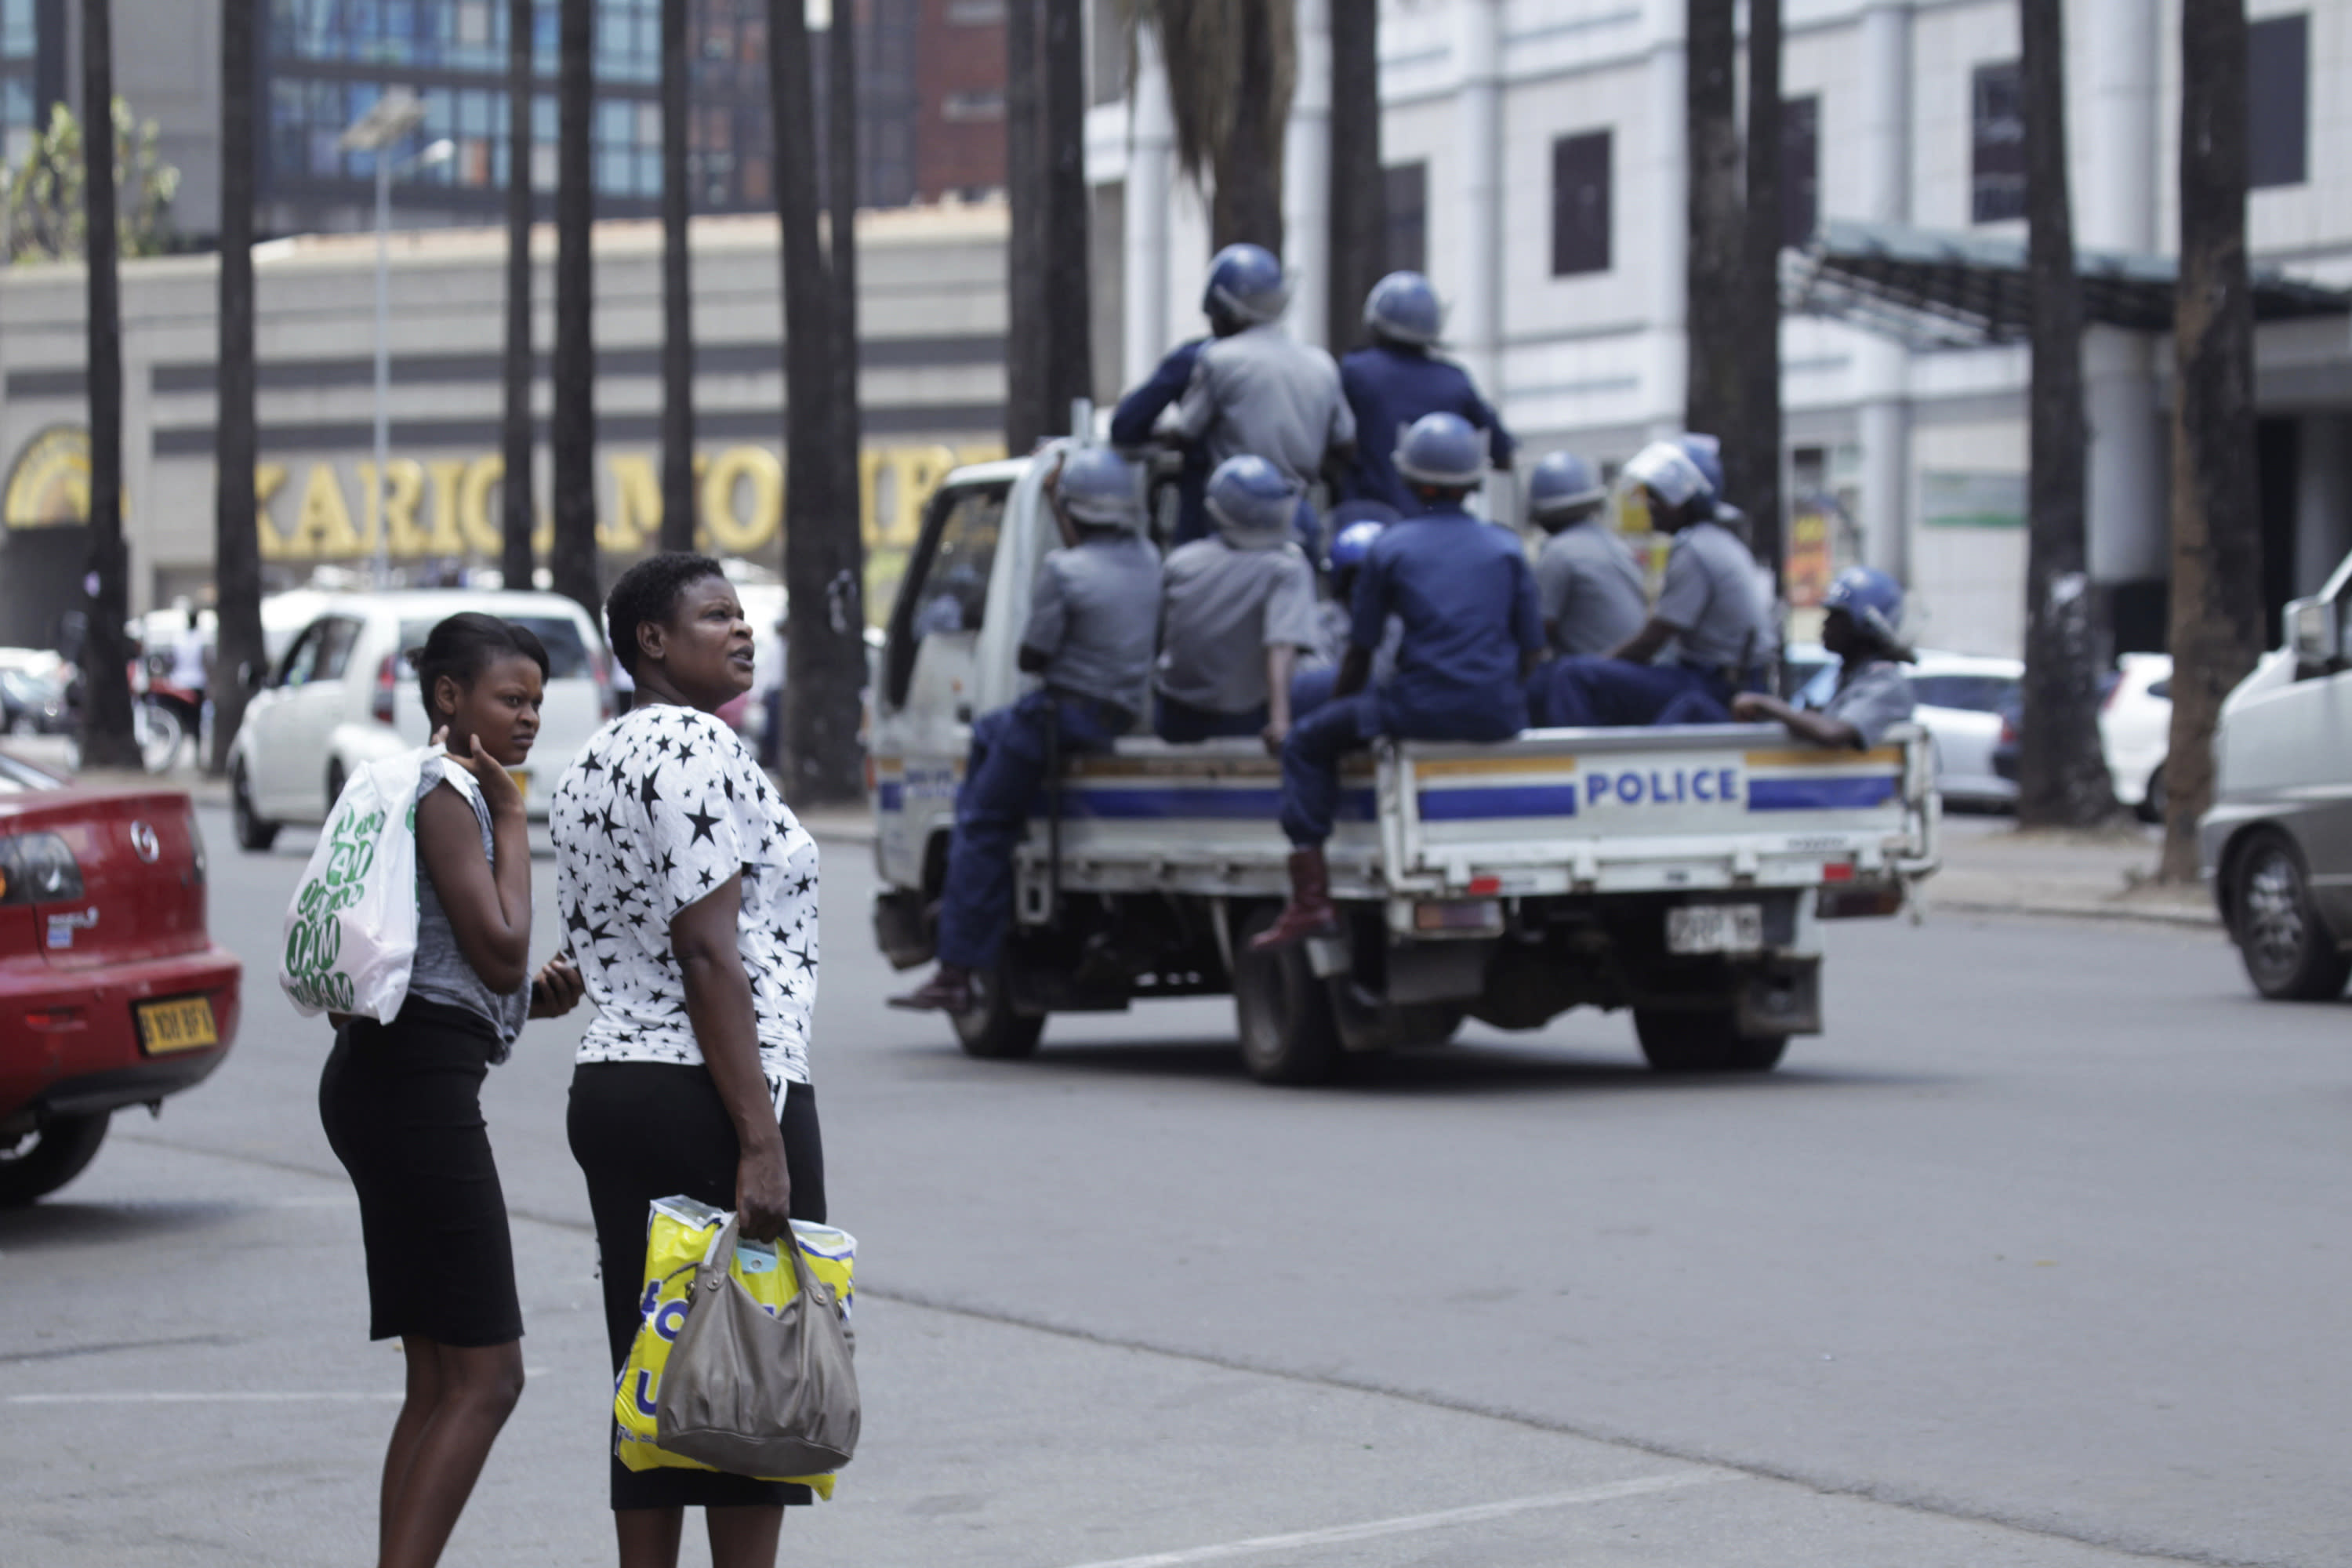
x: 1235, y: 612
x: 1255, y: 389
x: 1710, y: 608
x: 1587, y: 579
x: 1467, y: 601
x: 1396, y: 380
x: 1131, y: 425
x: 1089, y: 636
x: 1863, y: 627
x: 1355, y: 525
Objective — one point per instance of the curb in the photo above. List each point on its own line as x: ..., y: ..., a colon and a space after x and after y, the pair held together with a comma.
x: 2178, y: 919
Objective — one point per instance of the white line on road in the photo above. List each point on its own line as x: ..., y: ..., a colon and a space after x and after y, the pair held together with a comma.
x: 1640, y: 1486
x: 162, y: 1398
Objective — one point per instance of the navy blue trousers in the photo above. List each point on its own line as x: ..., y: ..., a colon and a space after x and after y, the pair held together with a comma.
x: 1000, y: 780
x: 1310, y: 689
x: 1609, y: 693
x: 1181, y: 723
x: 1310, y: 764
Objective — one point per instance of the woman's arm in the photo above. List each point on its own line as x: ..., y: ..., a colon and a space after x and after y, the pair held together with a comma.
x: 488, y: 900
x: 719, y: 1006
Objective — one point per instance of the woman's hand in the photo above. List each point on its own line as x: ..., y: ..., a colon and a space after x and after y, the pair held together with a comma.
x: 500, y: 793
x: 556, y: 989
x: 763, y: 1191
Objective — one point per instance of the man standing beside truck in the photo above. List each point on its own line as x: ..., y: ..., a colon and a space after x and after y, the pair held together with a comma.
x: 1090, y: 636
x: 1462, y: 590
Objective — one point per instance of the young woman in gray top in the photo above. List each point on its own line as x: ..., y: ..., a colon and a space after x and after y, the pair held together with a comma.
x: 402, y: 1103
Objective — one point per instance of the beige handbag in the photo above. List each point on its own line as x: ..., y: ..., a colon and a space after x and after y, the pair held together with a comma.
x: 753, y: 1394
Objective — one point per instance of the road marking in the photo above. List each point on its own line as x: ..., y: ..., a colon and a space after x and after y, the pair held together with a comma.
x: 238, y: 1399
x: 1640, y: 1486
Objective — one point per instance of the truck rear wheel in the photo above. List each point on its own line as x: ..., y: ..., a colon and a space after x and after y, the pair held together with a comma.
x: 992, y: 1031
x: 1680, y: 1041
x: 1288, y: 1032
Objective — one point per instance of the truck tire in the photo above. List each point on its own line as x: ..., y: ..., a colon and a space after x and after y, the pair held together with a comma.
x: 2289, y: 954
x: 992, y: 1031
x: 1679, y: 1040
x: 1283, y: 1011
x: 50, y: 1157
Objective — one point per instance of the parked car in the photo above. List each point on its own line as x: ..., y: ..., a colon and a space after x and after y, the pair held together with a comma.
x: 1961, y: 699
x: 2135, y: 731
x: 111, y: 990
x: 32, y: 704
x: 345, y: 695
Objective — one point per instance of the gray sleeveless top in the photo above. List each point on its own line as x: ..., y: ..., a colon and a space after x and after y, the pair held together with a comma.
x: 440, y: 973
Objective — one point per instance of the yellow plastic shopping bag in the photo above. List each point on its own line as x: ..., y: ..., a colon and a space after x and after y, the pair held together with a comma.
x: 678, y: 1231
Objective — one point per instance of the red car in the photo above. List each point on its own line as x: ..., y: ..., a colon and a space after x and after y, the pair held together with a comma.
x: 111, y: 990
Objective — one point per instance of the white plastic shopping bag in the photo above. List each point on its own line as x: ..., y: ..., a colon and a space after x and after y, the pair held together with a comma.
x: 350, y: 931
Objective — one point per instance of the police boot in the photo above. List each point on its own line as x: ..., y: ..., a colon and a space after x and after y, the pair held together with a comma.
x: 949, y: 991
x: 1309, y: 911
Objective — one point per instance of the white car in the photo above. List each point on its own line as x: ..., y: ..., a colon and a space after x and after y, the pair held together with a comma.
x: 1961, y: 699
x: 345, y: 694
x: 2136, y: 730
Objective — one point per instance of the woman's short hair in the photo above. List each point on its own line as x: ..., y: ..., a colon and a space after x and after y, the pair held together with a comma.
x: 648, y: 592
x: 464, y: 645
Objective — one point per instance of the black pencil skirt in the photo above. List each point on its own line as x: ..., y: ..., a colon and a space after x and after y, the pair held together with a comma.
x: 402, y: 1104
x: 643, y: 1131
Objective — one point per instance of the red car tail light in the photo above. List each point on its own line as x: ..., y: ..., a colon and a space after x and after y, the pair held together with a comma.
x: 387, y: 685
x: 38, y: 868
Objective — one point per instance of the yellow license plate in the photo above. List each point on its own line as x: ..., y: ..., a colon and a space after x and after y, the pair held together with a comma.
x: 183, y: 1025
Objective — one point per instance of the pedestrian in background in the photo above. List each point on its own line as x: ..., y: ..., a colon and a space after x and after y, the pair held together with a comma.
x: 401, y: 1101
x: 688, y: 893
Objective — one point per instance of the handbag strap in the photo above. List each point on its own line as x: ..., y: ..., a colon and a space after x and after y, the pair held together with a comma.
x: 730, y: 1236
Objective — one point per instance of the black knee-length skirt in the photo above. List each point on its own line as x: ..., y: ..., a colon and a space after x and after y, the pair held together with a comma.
x: 644, y: 1131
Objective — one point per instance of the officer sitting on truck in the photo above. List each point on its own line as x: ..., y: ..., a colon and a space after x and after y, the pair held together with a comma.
x: 1255, y: 389
x: 1131, y: 425
x: 1862, y: 628
x: 1396, y: 379
x: 1587, y: 579
x: 1089, y: 636
x: 1354, y: 525
x: 1467, y: 600
x: 1235, y: 610
x: 1710, y: 608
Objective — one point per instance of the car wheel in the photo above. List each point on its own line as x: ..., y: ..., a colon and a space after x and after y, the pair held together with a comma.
x: 1703, y: 1039
x: 47, y: 1159
x: 1289, y: 1032
x: 2152, y: 803
x: 2289, y: 954
x: 336, y: 779
x: 252, y: 832
x: 160, y: 734
x: 992, y: 1031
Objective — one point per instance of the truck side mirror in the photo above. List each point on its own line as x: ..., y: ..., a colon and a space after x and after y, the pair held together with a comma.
x: 2311, y: 633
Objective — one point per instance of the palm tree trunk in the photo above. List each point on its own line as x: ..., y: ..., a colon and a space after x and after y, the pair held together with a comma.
x: 236, y: 548
x: 2217, y: 608
x: 573, y: 431
x: 1069, y: 367
x: 1028, y: 413
x: 2061, y: 775
x: 517, y: 506
x: 825, y: 642
x: 677, y: 286
x: 1359, y: 200
x: 1752, y: 455
x: 106, y: 739
x: 1711, y: 398
x: 1247, y: 202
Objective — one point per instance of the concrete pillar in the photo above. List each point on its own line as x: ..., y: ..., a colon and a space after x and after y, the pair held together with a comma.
x: 2129, y: 532
x: 2323, y: 499
x: 1307, y: 177
x: 1476, y: 324
x: 1664, y: 186
x: 1150, y: 164
x: 1883, y: 363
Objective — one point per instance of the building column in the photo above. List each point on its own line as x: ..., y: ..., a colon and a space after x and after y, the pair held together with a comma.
x: 2128, y: 530
x: 1150, y: 164
x: 1474, y: 328
x: 1307, y: 176
x: 1883, y: 364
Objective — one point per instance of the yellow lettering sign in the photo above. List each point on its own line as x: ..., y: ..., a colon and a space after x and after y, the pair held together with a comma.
x: 744, y: 500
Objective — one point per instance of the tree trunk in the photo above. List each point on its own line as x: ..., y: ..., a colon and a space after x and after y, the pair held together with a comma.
x: 517, y: 503
x: 236, y: 548
x: 677, y: 286
x: 1752, y: 454
x: 1359, y: 197
x: 1711, y: 399
x: 826, y: 636
x: 842, y: 179
x: 1246, y: 206
x: 106, y: 739
x: 2063, y: 775
x: 1028, y: 417
x: 2217, y: 604
x: 1062, y: 69
x: 574, y: 430
x: 831, y: 742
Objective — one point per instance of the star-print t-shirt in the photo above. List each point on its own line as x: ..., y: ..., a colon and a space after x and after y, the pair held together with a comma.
x: 663, y: 804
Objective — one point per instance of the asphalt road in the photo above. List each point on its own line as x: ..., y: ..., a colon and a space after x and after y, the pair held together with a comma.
x: 2038, y: 1256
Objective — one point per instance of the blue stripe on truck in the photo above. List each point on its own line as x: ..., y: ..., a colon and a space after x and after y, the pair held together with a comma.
x: 1506, y: 801
x: 1820, y: 794
x: 1174, y: 802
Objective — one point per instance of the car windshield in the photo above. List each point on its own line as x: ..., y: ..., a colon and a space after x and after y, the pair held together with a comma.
x: 567, y: 653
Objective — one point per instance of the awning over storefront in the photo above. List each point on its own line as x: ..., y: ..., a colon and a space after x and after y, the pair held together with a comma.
x: 1934, y: 288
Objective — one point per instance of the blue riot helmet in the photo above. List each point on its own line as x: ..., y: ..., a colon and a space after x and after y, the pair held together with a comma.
x: 1353, y: 543
x: 1443, y: 452
x: 1674, y: 482
x: 1872, y: 601
x: 1251, y: 502
x: 1101, y: 490
x: 1706, y: 452
x: 1403, y: 309
x: 1246, y: 285
x: 1564, y: 488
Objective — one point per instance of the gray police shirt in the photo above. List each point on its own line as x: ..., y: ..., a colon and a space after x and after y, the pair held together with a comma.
x: 1260, y: 391
x: 1222, y: 608
x: 1872, y: 697
x: 1591, y: 589
x: 1710, y: 598
x: 1094, y: 616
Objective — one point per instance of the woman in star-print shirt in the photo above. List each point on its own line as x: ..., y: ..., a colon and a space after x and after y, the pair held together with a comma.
x: 687, y: 893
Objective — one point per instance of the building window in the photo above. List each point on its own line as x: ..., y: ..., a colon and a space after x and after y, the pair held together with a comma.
x: 1580, y: 203
x: 2278, y: 92
x: 1801, y: 170
x: 1408, y: 198
x: 1997, y: 130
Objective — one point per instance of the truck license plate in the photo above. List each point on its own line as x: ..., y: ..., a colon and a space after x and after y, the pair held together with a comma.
x: 1715, y: 928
